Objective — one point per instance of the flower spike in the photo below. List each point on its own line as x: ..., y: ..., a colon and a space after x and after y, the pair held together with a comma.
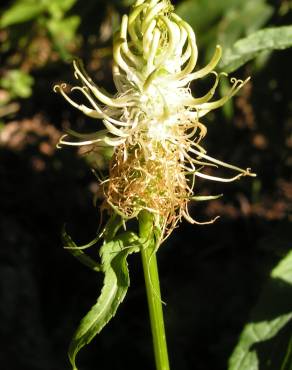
x: 153, y: 120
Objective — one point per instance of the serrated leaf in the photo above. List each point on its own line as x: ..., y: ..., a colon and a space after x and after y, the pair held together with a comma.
x: 21, y: 12
x: 246, y: 49
x: 266, y: 340
x: 116, y: 282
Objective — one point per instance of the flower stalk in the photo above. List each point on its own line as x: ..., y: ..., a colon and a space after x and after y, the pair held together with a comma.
x: 150, y: 268
x: 151, y: 277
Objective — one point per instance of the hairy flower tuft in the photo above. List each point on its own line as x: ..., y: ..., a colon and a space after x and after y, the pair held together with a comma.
x: 154, y: 121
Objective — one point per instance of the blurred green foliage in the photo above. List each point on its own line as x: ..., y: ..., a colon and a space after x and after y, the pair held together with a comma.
x: 264, y: 342
x: 49, y: 15
x: 31, y: 30
x: 36, y: 32
x: 225, y: 21
x: 243, y: 50
x: 18, y: 83
x: 234, y: 24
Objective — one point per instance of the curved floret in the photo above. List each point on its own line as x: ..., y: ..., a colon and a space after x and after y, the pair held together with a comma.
x: 153, y: 122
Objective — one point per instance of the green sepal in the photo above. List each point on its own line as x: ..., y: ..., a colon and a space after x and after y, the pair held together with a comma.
x: 115, y: 285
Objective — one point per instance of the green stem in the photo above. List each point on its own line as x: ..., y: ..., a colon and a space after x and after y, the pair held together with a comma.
x: 151, y: 276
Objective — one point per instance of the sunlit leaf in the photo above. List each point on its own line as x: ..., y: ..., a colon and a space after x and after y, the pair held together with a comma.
x: 17, y: 83
x: 57, y: 8
x: 63, y: 32
x: 266, y: 341
x: 21, y: 12
x: 277, y: 38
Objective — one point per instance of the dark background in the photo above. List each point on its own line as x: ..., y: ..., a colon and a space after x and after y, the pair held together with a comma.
x: 211, y: 276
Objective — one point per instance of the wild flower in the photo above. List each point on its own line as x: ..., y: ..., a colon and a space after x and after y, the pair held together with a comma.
x: 153, y: 122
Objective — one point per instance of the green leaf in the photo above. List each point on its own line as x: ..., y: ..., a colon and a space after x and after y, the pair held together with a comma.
x: 58, y: 8
x: 223, y: 22
x: 242, y: 20
x: 116, y: 282
x: 266, y: 341
x: 17, y: 83
x: 112, y: 227
x: 277, y: 38
x: 20, y: 12
x: 78, y: 253
x: 202, y: 14
x: 63, y: 33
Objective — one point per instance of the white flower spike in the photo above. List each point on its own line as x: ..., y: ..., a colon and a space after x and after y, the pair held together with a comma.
x: 153, y: 122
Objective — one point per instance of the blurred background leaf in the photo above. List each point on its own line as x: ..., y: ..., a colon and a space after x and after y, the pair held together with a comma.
x: 266, y: 341
x: 17, y: 83
x: 22, y: 11
x: 246, y: 49
x: 63, y: 32
x: 224, y: 22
